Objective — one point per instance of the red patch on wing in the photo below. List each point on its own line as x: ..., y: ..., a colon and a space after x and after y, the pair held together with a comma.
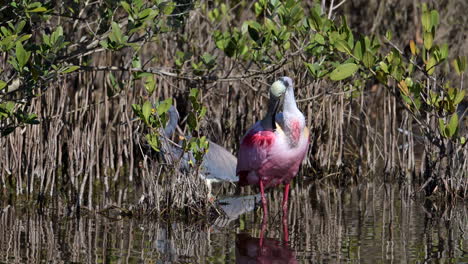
x: 295, y: 130
x: 263, y: 139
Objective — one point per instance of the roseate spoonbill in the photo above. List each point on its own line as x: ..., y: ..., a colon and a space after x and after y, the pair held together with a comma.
x: 273, y: 149
x: 218, y: 165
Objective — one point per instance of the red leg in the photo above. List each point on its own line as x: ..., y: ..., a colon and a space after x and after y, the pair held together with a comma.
x: 264, y: 202
x: 262, y: 233
x: 285, y: 229
x: 285, y: 213
x: 285, y: 199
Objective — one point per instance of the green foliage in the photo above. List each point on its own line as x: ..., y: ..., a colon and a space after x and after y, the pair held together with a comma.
x: 155, y: 118
x: 333, y: 51
x: 39, y: 55
x: 277, y: 33
x: 343, y: 71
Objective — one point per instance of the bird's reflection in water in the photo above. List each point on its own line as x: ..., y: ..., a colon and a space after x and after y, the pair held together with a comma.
x: 267, y: 250
x: 251, y: 249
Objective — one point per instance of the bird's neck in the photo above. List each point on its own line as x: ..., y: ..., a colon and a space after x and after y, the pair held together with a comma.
x: 293, y: 119
x: 172, y: 124
x: 289, y: 105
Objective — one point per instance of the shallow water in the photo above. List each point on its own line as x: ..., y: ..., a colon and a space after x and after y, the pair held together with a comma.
x: 363, y: 224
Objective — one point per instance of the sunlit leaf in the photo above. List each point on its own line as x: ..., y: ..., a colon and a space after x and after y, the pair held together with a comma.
x: 428, y: 39
x: 71, y: 69
x: 150, y: 84
x: 434, y: 18
x: 368, y: 59
x: 343, y: 71
x: 442, y: 127
x: 319, y: 39
x: 358, y: 50
x: 426, y: 21
x: 459, y: 64
x: 38, y: 10
x: 430, y: 66
x: 342, y: 46
x: 412, y: 47
x: 146, y: 110
x: 459, y: 97
x: 153, y: 141
x: 452, y: 125
x: 164, y: 106
x: 22, y: 55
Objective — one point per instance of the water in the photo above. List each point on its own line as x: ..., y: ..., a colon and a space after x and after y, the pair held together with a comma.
x: 364, y: 224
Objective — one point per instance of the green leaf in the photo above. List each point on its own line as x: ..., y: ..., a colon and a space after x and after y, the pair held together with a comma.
x: 430, y: 66
x: 126, y: 6
x: 444, y: 51
x: 202, y: 112
x: 22, y: 55
x: 150, y: 84
x: 192, y: 121
x: 343, y: 71
x: 71, y: 69
x: 168, y: 7
x: 153, y: 141
x: 319, y: 39
x: 389, y: 35
x: 458, y: 98
x: 314, y: 69
x: 442, y: 127
x: 164, y: 106
x: 452, y: 125
x: 136, y: 109
x: 434, y: 18
x: 146, y: 110
x: 116, y: 32
x: 258, y: 9
x: 342, y: 46
x: 38, y: 10
x: 368, y: 59
x: 316, y: 20
x: 459, y: 64
x: 2, y: 84
x: 383, y: 66
x: 24, y: 38
x: 428, y: 39
x: 358, y: 50
x: 194, y: 92
x: 426, y: 21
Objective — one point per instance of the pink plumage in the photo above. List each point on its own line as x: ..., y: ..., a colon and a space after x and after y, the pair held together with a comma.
x: 272, y: 150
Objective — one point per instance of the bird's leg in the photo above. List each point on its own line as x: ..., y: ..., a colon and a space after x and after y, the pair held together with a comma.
x: 285, y: 213
x: 285, y: 229
x: 262, y: 233
x: 285, y: 199
x: 264, y: 202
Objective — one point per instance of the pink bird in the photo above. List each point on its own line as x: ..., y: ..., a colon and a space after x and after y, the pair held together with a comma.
x: 273, y: 149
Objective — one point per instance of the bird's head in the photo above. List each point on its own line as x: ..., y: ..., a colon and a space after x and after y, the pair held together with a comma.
x: 288, y: 83
x: 277, y: 89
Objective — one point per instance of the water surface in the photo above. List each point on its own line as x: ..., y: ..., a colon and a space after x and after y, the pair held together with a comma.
x: 369, y: 223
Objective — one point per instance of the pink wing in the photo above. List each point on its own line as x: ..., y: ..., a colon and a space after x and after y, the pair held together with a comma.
x: 254, y: 150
